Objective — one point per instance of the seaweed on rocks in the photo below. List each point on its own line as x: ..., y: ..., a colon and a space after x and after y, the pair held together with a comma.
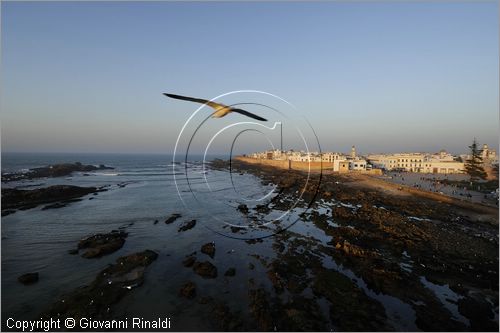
x: 99, y: 245
x: 109, y: 287
x: 187, y: 225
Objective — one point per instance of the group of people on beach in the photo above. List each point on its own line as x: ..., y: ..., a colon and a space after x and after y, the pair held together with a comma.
x: 429, y: 182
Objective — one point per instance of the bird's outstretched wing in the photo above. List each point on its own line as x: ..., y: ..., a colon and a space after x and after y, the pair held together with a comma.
x: 214, y: 105
x: 248, y: 114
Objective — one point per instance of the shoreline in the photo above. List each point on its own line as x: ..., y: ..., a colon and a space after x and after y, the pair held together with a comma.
x: 369, y: 181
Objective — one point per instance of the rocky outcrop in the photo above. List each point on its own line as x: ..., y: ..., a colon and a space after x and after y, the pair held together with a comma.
x: 205, y: 269
x: 351, y: 309
x: 189, y: 261
x: 225, y: 319
x: 26, y: 199
x: 99, y: 245
x: 56, y: 170
x: 188, y: 290
x: 172, y: 218
x: 187, y: 225
x: 243, y: 208
x: 209, y: 249
x: 299, y: 314
x: 110, y: 285
x: 354, y: 250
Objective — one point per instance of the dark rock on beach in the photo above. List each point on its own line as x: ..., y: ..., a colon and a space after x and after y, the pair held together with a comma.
x: 225, y: 319
x: 189, y: 261
x: 479, y: 313
x: 205, y: 269
x: 28, y: 278
x: 188, y: 290
x: 101, y: 244
x: 261, y: 310
x: 209, y: 249
x: 299, y: 314
x: 110, y: 285
x: 351, y: 309
x: 56, y: 170
x: 230, y: 272
x: 263, y: 209
x: 253, y: 241
x: 187, y: 225
x: 26, y: 199
x: 243, y: 208
x: 172, y: 218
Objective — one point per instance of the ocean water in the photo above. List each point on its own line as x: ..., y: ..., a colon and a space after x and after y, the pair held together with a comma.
x: 37, y: 240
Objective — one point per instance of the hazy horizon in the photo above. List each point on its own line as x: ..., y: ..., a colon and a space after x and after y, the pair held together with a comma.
x: 345, y: 151
x: 385, y: 77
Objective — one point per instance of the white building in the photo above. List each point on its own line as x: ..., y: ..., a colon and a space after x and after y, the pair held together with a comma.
x: 357, y: 164
x: 447, y: 167
x: 349, y: 164
x: 341, y: 165
x: 330, y: 157
x: 443, y: 155
x: 441, y: 162
x: 405, y: 161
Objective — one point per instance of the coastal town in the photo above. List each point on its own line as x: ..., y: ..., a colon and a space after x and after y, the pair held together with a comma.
x: 441, y: 162
x: 472, y: 177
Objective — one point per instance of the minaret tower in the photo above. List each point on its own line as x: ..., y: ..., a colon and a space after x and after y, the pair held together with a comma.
x: 485, y: 151
x: 353, y: 152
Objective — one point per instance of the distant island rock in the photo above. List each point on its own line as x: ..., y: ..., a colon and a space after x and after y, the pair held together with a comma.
x: 56, y: 170
x: 25, y: 199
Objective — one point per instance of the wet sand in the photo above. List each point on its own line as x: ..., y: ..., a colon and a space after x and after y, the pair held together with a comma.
x: 480, y: 211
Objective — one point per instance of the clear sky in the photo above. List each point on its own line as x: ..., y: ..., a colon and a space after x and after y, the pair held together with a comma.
x: 387, y: 77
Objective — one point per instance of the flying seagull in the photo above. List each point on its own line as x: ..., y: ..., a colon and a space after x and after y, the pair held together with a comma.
x: 220, y: 109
